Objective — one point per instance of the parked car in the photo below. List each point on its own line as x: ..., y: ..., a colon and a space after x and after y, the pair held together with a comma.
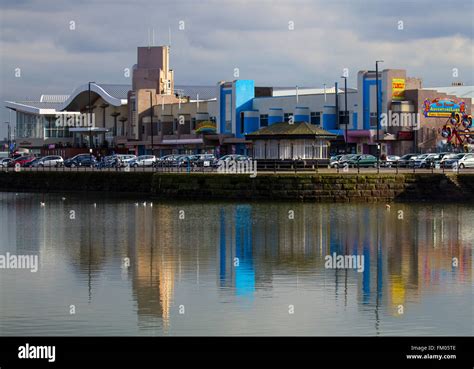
x: 31, y: 163
x: 423, y: 161
x: 81, y: 160
x: 168, y: 160
x: 126, y: 159
x: 361, y: 161
x: 235, y: 157
x: 205, y: 160
x: 446, y: 157
x: 405, y: 160
x: 111, y: 161
x: 461, y: 160
x: 333, y: 161
x: 22, y: 160
x: 4, y: 162
x: 435, y: 161
x: 143, y: 161
x: 49, y: 161
x: 390, y: 161
x: 341, y: 163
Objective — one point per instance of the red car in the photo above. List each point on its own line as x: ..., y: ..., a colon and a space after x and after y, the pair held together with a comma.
x: 22, y: 160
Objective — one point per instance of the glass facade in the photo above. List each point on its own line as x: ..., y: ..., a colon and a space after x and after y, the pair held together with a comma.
x: 39, y: 126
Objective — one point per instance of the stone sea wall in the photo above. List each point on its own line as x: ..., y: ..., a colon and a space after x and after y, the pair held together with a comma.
x: 286, y: 187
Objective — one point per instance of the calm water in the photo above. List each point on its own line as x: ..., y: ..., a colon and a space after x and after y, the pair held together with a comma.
x: 234, y: 269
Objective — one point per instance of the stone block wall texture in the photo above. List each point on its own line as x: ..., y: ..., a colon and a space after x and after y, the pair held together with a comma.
x: 271, y: 187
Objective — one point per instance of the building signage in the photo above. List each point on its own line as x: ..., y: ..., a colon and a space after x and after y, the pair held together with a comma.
x: 206, y: 126
x: 398, y: 88
x: 442, y: 108
x: 405, y: 135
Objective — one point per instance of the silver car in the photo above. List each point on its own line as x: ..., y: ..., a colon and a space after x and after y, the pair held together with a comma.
x: 50, y: 161
x: 143, y: 161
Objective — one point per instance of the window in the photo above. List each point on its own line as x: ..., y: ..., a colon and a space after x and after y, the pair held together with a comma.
x: 342, y: 118
x: 242, y: 121
x: 263, y: 120
x: 228, y: 112
x: 193, y: 123
x: 316, y: 118
x: 373, y: 119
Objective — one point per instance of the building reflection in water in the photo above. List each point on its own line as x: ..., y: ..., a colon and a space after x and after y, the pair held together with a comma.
x: 256, y: 244
x: 249, y: 249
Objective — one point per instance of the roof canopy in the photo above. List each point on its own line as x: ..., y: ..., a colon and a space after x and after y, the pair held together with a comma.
x: 287, y: 130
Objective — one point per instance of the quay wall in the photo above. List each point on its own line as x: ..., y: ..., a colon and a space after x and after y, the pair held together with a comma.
x: 310, y: 187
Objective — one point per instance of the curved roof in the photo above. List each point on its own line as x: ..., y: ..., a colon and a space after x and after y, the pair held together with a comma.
x: 115, y: 95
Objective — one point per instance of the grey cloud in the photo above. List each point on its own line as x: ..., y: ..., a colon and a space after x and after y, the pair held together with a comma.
x: 221, y: 35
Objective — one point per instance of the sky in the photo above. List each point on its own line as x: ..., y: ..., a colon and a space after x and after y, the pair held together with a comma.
x: 58, y: 46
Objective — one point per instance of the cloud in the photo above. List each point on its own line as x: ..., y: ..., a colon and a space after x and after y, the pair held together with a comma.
x: 219, y: 36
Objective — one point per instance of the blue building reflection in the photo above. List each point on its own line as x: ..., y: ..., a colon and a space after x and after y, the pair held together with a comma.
x: 236, y: 262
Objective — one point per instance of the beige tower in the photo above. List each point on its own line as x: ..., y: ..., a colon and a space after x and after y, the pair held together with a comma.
x: 152, y: 84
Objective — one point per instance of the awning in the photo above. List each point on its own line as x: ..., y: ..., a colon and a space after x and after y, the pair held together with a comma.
x: 89, y: 129
x: 189, y: 141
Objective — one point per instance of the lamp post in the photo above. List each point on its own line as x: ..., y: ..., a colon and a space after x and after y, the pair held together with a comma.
x: 9, y: 136
x: 104, y: 106
x: 90, y: 115
x: 378, y: 108
x: 151, y: 120
x: 346, y: 114
x: 114, y: 133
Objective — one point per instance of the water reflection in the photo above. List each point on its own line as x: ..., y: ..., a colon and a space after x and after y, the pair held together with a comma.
x: 228, y: 268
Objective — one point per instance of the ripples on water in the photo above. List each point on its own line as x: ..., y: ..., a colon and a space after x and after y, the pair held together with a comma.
x: 234, y: 269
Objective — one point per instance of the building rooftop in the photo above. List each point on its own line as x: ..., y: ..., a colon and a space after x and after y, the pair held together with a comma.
x: 287, y: 129
x: 459, y: 91
x: 114, y: 94
x: 291, y: 91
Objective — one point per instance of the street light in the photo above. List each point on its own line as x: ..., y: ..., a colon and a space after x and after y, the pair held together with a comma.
x: 9, y: 136
x: 378, y: 107
x: 151, y: 120
x: 346, y: 114
x: 90, y: 115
